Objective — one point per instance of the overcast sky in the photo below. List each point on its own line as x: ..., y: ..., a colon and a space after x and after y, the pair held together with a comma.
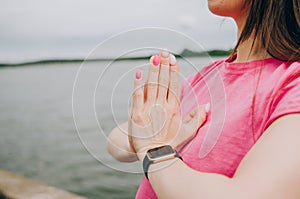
x: 28, y: 22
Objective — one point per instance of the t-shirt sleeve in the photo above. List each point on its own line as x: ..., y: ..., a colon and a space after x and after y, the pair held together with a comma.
x: 286, y: 100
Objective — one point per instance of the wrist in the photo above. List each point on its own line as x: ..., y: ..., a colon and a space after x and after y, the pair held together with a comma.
x: 163, y: 154
x: 141, y: 153
x: 159, y: 166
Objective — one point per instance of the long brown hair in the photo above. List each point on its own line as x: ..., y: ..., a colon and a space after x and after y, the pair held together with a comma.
x: 275, y: 25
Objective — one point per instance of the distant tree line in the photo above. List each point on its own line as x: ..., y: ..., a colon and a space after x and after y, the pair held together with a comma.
x: 213, y: 53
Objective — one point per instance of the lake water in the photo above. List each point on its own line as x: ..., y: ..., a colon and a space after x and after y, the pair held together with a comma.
x: 53, y: 128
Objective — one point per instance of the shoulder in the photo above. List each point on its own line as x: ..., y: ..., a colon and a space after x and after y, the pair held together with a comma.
x: 284, y: 67
x: 281, y: 90
x: 284, y: 73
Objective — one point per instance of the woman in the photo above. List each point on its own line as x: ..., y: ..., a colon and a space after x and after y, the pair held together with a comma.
x: 256, y: 153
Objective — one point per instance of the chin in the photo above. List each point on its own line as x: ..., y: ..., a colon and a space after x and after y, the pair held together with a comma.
x: 217, y: 7
x: 226, y: 8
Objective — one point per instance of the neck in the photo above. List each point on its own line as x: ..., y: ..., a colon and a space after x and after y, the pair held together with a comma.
x: 245, y: 51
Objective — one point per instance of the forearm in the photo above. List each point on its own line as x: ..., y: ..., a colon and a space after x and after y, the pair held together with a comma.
x: 270, y: 170
x: 121, y: 154
x: 118, y: 145
x: 177, y: 180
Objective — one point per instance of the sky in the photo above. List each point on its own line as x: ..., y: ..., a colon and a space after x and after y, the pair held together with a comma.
x: 31, y: 27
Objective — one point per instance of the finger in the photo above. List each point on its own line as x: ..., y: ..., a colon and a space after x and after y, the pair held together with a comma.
x: 152, y: 80
x: 164, y: 76
x: 138, y: 94
x: 173, y: 92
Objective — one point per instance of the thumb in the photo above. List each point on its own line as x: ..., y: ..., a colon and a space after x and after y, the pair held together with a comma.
x: 190, y: 126
x: 196, y: 118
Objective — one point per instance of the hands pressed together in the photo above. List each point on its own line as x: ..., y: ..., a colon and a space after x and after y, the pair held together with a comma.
x: 155, y: 116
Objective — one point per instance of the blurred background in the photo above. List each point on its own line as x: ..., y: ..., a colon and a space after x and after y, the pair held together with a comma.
x: 57, y: 109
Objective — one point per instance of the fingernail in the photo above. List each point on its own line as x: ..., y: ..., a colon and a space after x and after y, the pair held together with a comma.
x: 165, y: 53
x: 207, y: 107
x: 172, y: 60
x: 156, y: 60
x: 138, y: 74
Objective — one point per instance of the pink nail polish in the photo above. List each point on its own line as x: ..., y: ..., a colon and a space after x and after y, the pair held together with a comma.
x: 156, y: 60
x: 138, y: 74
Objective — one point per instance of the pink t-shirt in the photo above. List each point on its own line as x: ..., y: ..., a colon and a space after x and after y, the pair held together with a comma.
x: 245, y: 99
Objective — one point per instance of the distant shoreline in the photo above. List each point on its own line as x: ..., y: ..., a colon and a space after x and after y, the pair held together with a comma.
x: 183, y: 54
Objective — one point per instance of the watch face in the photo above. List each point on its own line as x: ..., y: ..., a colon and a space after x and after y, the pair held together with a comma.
x: 160, y: 151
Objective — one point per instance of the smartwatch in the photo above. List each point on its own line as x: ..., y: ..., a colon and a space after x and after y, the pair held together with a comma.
x: 159, y: 154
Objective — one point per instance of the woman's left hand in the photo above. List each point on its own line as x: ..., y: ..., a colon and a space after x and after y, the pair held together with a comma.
x: 155, y: 118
